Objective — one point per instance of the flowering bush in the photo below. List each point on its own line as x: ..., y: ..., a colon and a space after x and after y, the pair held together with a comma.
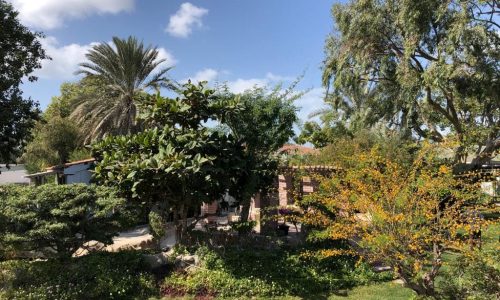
x: 402, y: 216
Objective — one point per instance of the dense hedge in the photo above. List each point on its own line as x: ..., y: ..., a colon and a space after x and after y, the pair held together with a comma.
x: 57, y: 219
x: 99, y: 275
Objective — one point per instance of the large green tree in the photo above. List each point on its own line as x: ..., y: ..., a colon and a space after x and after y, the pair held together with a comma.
x: 122, y: 71
x: 176, y: 163
x: 57, y: 138
x: 54, y: 141
x: 264, y: 125
x: 20, y: 54
x: 430, y: 68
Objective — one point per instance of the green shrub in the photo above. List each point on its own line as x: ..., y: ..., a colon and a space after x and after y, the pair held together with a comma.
x: 473, y: 277
x: 99, y: 275
x: 243, y: 227
x: 261, y: 273
x: 157, y: 225
x: 58, y: 219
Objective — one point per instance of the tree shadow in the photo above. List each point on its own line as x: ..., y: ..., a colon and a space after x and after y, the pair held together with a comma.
x: 286, y: 270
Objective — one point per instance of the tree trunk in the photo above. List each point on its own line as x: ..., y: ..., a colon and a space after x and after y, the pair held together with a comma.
x: 245, y: 210
x: 178, y: 226
x: 425, y: 286
x: 183, y: 223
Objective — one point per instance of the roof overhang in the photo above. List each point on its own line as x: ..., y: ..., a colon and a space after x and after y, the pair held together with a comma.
x: 42, y: 174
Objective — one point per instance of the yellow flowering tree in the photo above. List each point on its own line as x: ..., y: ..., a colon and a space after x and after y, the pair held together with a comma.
x: 402, y: 216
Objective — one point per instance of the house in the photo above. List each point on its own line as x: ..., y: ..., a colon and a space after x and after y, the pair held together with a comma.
x: 15, y: 174
x: 72, y: 172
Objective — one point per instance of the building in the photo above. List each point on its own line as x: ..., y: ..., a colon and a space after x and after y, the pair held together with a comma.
x: 72, y: 172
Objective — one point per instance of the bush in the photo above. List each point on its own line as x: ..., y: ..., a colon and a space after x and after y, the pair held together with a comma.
x: 261, y: 273
x: 475, y: 276
x: 58, y: 219
x: 243, y: 227
x: 99, y: 275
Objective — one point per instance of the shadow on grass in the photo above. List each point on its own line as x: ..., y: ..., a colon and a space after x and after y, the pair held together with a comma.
x: 291, y: 274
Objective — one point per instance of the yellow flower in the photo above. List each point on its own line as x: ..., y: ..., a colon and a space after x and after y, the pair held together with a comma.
x: 444, y: 169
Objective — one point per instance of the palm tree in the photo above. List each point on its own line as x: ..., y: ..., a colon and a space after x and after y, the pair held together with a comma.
x: 123, y: 71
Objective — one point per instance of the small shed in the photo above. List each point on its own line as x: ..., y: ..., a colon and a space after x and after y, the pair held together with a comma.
x: 72, y: 172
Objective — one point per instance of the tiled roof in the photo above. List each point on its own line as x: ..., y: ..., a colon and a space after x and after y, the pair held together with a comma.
x: 72, y: 163
x: 297, y: 149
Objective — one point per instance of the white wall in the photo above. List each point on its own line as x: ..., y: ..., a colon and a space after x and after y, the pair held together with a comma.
x: 79, y: 173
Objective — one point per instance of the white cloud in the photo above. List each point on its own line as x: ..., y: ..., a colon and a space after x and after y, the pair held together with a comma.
x: 207, y: 74
x: 274, y: 77
x: 240, y: 85
x: 65, y: 59
x: 310, y: 102
x: 182, y: 22
x: 170, y: 60
x: 50, y: 14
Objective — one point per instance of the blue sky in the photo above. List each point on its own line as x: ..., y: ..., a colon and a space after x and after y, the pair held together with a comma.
x: 240, y: 42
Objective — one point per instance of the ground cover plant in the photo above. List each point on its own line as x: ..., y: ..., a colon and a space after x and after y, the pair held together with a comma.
x: 251, y: 272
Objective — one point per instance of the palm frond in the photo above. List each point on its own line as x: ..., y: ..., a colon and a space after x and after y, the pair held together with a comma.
x: 125, y: 68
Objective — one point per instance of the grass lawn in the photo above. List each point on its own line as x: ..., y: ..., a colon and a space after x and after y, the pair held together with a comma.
x: 382, y: 291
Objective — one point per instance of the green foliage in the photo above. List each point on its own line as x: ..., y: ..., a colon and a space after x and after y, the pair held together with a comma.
x: 99, y: 275
x: 79, y: 154
x: 117, y: 75
x: 176, y: 163
x: 157, y: 224
x: 475, y: 276
x: 320, y: 136
x: 58, y: 219
x: 401, y: 213
x: 381, y: 291
x: 58, y: 138
x: 263, y: 273
x: 389, y: 145
x: 423, y: 67
x: 266, y: 121
x: 20, y: 54
x: 53, y: 143
x: 264, y: 125
x: 243, y: 227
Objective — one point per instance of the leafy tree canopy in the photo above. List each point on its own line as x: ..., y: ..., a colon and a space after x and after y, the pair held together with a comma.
x: 53, y: 143
x: 426, y: 67
x: 264, y: 125
x: 57, y: 138
x: 176, y: 163
x: 20, y: 54
x: 404, y: 215
x: 118, y: 73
